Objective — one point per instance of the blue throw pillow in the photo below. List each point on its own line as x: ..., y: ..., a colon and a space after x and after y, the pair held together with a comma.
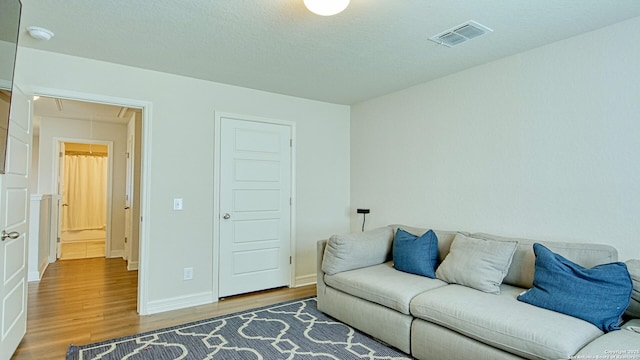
x: 598, y: 295
x: 416, y: 254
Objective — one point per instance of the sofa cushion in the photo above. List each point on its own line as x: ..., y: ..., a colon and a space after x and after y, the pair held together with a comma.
x: 623, y: 344
x: 634, y: 270
x: 522, y: 266
x: 382, y: 284
x: 503, y: 322
x: 416, y: 254
x: 477, y: 263
x: 357, y: 250
x: 599, y: 295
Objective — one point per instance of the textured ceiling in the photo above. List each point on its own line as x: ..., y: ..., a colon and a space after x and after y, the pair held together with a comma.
x: 373, y: 48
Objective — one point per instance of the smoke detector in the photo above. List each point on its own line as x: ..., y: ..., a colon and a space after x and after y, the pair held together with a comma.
x: 39, y: 33
x: 460, y: 34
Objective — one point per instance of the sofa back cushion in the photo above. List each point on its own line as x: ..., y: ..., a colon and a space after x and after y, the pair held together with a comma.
x: 522, y: 266
x: 353, y: 251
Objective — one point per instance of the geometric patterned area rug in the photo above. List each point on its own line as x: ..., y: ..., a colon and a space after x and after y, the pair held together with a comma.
x: 290, y: 330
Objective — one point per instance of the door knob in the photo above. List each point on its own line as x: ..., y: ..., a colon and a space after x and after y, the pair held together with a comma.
x: 11, y: 235
x: 226, y: 216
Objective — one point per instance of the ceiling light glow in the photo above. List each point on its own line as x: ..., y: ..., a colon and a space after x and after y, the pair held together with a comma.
x: 326, y: 7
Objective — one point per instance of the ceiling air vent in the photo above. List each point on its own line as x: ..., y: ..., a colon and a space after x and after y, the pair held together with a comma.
x: 461, y: 33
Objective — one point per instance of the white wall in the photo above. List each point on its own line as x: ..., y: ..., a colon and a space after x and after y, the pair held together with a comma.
x: 544, y: 144
x: 52, y: 128
x: 39, y: 235
x: 181, y: 161
x: 35, y: 155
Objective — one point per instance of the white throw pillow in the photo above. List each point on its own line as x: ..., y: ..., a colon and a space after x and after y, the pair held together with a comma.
x: 634, y: 304
x: 477, y: 263
x: 358, y: 250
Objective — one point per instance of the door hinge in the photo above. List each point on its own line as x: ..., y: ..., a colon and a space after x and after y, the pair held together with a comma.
x: 290, y: 260
x: 290, y: 201
x: 290, y: 142
x: 125, y: 239
x: 60, y: 154
x: 127, y: 155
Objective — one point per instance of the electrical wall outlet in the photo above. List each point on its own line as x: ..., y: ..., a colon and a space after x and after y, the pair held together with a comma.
x: 188, y: 273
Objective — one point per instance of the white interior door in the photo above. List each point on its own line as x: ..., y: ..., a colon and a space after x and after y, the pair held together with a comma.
x: 255, y: 206
x: 59, y: 198
x: 128, y: 198
x: 14, y: 195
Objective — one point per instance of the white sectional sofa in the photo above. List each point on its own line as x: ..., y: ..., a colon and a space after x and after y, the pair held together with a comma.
x: 434, y: 319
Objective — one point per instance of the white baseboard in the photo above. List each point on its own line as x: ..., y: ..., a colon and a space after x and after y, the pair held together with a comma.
x: 305, y: 280
x: 43, y: 268
x: 132, y: 265
x: 180, y: 302
x: 116, y: 253
x: 37, y: 275
x: 33, y: 276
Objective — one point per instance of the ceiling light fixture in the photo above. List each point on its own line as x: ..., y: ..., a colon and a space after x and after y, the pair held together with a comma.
x: 39, y: 33
x: 326, y: 7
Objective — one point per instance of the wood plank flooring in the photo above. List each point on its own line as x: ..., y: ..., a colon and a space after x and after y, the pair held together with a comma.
x: 89, y: 300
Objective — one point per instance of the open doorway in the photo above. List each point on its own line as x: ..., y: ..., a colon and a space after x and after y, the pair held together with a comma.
x: 107, y: 135
x: 85, y: 185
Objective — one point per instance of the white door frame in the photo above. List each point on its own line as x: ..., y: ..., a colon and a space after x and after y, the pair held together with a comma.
x: 57, y: 147
x: 216, y: 193
x: 146, y: 106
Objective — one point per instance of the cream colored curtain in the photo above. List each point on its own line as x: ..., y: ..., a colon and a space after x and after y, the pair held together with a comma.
x: 85, y: 192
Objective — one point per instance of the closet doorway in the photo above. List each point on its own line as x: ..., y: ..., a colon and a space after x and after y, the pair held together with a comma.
x: 84, y: 183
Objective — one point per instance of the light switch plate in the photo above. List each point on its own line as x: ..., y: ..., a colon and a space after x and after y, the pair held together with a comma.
x: 177, y: 204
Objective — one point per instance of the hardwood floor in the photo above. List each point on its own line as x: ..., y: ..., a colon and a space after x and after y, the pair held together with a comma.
x: 88, y: 300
